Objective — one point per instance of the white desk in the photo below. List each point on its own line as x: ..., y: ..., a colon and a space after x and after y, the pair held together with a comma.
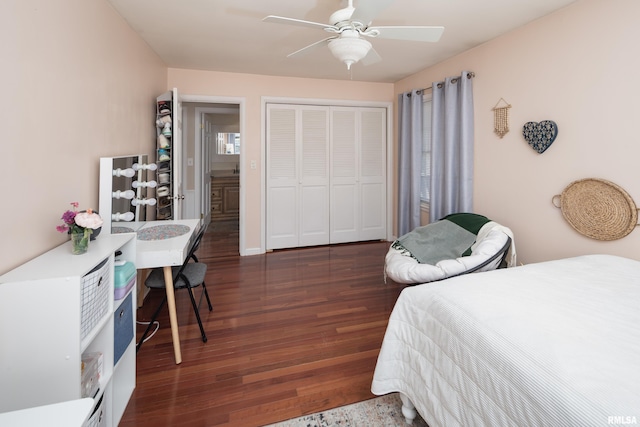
x: 65, y: 414
x: 166, y: 253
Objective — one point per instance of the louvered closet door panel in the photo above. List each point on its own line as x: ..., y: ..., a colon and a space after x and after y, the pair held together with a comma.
x: 344, y: 186
x: 372, y: 179
x: 314, y: 176
x: 326, y: 174
x: 282, y: 179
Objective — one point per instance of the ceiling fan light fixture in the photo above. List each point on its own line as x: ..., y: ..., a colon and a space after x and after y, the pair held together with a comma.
x: 350, y: 27
x: 349, y: 49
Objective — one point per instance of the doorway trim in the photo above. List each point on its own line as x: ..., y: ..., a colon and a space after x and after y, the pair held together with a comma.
x: 240, y: 101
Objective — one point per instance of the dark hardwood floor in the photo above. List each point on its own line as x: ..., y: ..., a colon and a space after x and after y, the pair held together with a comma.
x: 292, y: 332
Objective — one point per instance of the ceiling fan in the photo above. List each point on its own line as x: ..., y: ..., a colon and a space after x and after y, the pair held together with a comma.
x: 351, y: 26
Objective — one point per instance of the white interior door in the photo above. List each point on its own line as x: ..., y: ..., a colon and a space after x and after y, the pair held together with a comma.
x: 206, y: 140
x: 345, y: 219
x: 282, y: 177
x: 314, y: 176
x: 358, y: 174
x: 372, y: 173
x: 326, y: 174
x: 176, y: 153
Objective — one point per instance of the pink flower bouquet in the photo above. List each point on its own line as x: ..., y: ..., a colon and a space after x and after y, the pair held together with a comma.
x: 80, y: 225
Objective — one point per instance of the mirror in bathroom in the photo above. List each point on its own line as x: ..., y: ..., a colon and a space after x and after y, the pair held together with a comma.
x: 127, y: 192
x: 227, y: 143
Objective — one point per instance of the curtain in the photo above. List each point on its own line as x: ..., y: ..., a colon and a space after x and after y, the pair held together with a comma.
x: 452, y: 147
x: 409, y: 156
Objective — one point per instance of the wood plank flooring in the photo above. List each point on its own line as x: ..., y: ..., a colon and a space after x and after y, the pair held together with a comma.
x: 292, y: 332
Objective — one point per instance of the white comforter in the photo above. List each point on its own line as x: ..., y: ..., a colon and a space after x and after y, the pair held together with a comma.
x: 548, y: 344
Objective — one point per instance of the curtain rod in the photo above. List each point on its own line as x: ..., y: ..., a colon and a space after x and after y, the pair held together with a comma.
x: 470, y: 75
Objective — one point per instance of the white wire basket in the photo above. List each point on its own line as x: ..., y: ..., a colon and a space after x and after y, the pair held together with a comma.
x: 98, y: 417
x: 95, y: 297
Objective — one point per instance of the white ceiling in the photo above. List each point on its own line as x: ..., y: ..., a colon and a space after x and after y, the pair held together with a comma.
x: 229, y: 35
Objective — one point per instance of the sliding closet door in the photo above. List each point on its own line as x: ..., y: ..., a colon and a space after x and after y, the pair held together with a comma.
x: 326, y: 175
x: 345, y: 221
x: 297, y: 176
x: 314, y: 176
x: 282, y: 179
x: 372, y: 173
x: 358, y: 174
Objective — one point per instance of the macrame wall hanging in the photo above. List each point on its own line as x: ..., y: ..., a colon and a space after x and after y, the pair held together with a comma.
x: 501, y: 118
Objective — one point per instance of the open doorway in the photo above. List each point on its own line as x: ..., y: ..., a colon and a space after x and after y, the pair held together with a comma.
x: 213, y: 172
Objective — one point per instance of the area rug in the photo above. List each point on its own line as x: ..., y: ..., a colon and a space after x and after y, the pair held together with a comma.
x: 383, y: 411
x: 223, y: 226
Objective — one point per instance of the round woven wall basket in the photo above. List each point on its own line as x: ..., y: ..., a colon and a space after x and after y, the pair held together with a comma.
x: 598, y: 209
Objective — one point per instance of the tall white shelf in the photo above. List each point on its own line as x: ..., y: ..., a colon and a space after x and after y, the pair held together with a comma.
x: 41, y: 324
x: 170, y: 192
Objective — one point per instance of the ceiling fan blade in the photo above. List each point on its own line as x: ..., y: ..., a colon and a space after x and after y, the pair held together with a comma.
x: 371, y: 58
x: 310, y: 47
x: 410, y: 33
x: 297, y: 22
x: 366, y: 10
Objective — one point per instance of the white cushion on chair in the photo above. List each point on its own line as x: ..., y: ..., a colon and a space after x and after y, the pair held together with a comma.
x: 402, y: 268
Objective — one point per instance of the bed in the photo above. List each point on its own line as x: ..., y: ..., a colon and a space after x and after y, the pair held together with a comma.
x: 548, y: 344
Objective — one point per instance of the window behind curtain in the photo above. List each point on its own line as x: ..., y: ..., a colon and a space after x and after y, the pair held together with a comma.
x: 425, y: 170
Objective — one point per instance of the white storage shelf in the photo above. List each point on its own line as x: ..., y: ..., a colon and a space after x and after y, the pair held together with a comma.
x: 41, y: 328
x: 164, y: 113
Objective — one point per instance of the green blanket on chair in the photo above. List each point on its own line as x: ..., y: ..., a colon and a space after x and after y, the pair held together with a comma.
x: 449, y: 238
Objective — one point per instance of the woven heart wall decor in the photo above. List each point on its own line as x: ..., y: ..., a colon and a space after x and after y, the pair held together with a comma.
x: 541, y: 135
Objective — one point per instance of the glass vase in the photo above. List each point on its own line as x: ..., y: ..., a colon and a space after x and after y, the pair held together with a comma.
x: 80, y: 242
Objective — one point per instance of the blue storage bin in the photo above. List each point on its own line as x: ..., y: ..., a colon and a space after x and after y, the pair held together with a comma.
x: 122, y: 328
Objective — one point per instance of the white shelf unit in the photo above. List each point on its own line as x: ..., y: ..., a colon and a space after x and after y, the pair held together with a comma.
x: 170, y: 192
x: 41, y: 329
x: 164, y: 111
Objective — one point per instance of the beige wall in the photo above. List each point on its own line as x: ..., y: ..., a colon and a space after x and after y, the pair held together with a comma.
x: 576, y: 67
x: 252, y: 88
x: 79, y: 84
x: 84, y: 85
